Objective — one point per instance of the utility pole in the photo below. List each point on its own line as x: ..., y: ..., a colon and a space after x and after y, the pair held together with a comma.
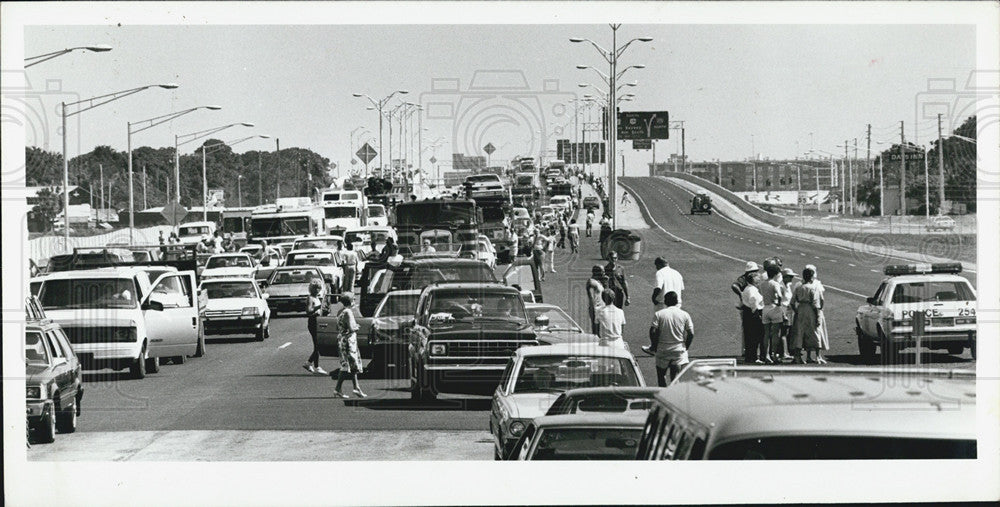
x: 719, y: 164
x: 145, y: 204
x: 854, y: 193
x: 103, y: 202
x: 277, y: 153
x: 881, y: 187
x: 868, y: 154
x: 902, y: 170
x: 940, y: 169
x: 927, y: 188
x: 652, y: 169
x: 683, y: 151
x: 818, y: 200
x: 260, y: 182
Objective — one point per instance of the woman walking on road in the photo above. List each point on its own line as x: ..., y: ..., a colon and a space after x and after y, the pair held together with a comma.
x: 574, y: 236
x: 350, y: 356
x: 809, y: 328
x: 550, y: 247
x: 314, y: 306
x: 349, y: 263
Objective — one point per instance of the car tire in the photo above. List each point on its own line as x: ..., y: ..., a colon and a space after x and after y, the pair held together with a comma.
x: 889, y: 353
x: 866, y: 347
x: 260, y: 334
x: 138, y: 368
x: 972, y: 347
x: 496, y: 455
x: 199, y: 351
x: 177, y: 360
x: 45, y: 432
x: 153, y: 365
x: 956, y: 351
x: 66, y: 418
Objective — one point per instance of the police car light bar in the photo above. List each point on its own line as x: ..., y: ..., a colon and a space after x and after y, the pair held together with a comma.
x: 913, y: 269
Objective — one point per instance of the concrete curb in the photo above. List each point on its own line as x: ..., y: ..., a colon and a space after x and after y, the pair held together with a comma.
x: 730, y: 212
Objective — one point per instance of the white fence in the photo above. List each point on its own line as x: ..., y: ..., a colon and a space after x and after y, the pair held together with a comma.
x: 44, y: 247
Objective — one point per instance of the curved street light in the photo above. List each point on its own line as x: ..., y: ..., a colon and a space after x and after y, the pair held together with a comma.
x: 91, y: 103
x: 35, y: 60
x: 380, y: 105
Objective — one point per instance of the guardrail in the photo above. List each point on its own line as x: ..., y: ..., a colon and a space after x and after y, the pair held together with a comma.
x: 735, y: 200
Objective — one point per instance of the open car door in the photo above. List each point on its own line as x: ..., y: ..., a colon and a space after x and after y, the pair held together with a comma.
x: 173, y: 330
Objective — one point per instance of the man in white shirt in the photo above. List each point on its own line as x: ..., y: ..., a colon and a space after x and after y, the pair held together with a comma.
x: 672, y: 332
x: 610, y: 320
x: 753, y: 326
x: 668, y: 279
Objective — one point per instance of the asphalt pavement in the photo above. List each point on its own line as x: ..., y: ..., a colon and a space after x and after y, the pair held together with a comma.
x: 251, y: 387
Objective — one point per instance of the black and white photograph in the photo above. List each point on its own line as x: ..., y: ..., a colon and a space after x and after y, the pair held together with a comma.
x: 313, y: 253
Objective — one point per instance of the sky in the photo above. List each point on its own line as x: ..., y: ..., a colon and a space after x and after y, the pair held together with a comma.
x: 774, y: 90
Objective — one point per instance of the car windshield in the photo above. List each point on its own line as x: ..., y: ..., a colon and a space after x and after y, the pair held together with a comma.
x: 342, y: 212
x: 252, y: 249
x: 376, y: 211
x: 482, y: 178
x: 525, y: 180
x: 34, y: 349
x: 316, y: 243
x: 561, y: 373
x: 229, y: 261
x: 611, y: 401
x: 310, y: 259
x: 435, y: 212
x: 423, y: 277
x: 558, y: 320
x: 493, y: 214
x: 447, y: 305
x: 89, y: 293
x: 141, y: 256
x: 399, y: 305
x: 357, y: 237
x: 849, y: 447
x: 226, y: 290
x: 289, y: 277
x: 587, y: 444
x: 933, y: 291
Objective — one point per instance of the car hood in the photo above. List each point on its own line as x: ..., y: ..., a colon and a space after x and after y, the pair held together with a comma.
x: 552, y: 338
x: 232, y: 303
x: 232, y: 271
x: 35, y: 373
x: 290, y: 289
x: 530, y: 405
x: 84, y: 317
x: 488, y: 330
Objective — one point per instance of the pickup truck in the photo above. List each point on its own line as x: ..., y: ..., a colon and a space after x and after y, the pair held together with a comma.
x: 463, y: 337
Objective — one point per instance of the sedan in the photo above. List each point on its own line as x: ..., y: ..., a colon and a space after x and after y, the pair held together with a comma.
x: 941, y: 223
x: 228, y: 265
x: 234, y: 305
x: 554, y: 325
x: 604, y: 399
x: 288, y: 288
x: 485, y: 251
x: 536, y: 376
x: 581, y: 437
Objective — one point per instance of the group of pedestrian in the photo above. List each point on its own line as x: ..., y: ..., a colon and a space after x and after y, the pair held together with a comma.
x: 347, y: 325
x: 550, y: 234
x: 214, y: 244
x: 781, y: 317
x: 607, y: 296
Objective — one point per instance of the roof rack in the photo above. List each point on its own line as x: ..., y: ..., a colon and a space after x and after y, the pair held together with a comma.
x: 701, y: 370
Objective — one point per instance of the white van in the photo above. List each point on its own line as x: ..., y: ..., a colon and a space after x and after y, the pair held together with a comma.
x: 783, y: 413
x: 193, y: 232
x: 118, y: 318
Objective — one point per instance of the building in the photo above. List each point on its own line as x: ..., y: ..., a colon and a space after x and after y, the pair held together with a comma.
x: 771, y: 175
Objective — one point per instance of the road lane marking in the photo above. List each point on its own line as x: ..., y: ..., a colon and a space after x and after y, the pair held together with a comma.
x: 642, y: 203
x: 851, y: 265
x: 789, y: 236
x: 285, y: 345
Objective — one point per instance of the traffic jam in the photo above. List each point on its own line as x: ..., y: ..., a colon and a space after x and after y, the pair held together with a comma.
x: 447, y: 292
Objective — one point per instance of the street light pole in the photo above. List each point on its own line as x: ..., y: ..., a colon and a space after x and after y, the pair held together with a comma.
x: 239, y: 189
x: 92, y: 103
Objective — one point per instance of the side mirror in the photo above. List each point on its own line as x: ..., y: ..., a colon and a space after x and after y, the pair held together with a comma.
x: 265, y: 295
x: 542, y: 321
x: 871, y: 300
x: 154, y: 305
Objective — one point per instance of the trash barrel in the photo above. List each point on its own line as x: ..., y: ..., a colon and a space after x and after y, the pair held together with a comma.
x: 624, y: 242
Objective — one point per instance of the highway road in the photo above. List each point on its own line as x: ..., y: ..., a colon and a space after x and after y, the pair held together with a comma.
x: 711, y: 250
x: 243, y: 385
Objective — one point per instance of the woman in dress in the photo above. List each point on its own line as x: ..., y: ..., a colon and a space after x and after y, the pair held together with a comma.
x: 350, y: 356
x: 314, y: 306
x: 809, y: 327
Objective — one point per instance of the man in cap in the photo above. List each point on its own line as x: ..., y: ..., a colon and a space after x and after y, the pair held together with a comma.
x: 617, y: 280
x: 746, y: 315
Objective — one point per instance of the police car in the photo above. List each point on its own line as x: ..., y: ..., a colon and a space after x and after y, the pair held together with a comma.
x: 946, y: 300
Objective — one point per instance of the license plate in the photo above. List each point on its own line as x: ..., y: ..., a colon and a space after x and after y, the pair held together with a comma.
x: 943, y: 321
